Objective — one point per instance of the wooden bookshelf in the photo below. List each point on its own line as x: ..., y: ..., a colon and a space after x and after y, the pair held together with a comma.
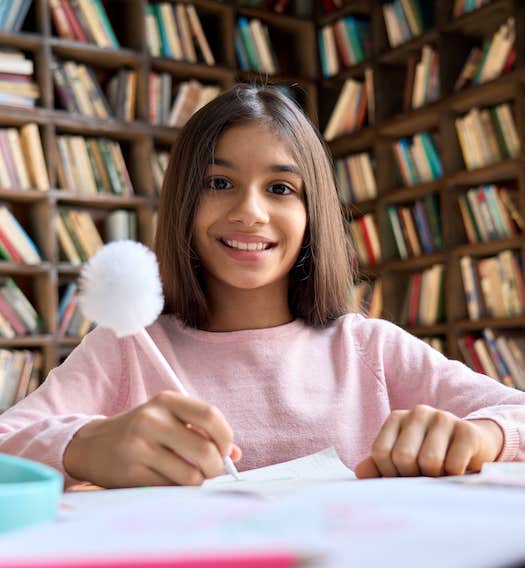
x: 295, y: 42
x: 453, y: 38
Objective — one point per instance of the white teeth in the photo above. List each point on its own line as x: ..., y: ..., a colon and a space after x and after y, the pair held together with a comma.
x: 247, y: 246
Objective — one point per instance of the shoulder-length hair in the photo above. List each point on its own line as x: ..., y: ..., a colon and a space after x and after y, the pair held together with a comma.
x: 320, y: 283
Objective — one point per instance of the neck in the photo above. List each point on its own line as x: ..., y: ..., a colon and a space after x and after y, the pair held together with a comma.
x: 235, y: 309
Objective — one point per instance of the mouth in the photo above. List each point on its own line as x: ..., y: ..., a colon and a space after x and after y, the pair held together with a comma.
x: 244, y: 246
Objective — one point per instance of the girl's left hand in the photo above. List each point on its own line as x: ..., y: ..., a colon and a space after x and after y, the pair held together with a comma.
x: 431, y: 442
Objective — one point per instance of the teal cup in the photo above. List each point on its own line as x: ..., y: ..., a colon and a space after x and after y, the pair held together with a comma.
x: 29, y: 492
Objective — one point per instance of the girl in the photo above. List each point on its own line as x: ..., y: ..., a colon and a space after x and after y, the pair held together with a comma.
x: 255, y: 266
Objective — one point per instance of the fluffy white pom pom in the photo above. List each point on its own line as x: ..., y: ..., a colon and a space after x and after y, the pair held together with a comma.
x: 120, y: 287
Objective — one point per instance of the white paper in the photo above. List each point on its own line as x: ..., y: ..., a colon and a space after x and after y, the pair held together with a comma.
x: 294, y: 475
x: 402, y: 522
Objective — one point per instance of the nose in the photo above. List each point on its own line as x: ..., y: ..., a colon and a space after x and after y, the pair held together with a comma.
x: 249, y: 208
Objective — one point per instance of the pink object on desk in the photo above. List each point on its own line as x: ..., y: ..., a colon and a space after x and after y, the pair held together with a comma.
x: 249, y: 560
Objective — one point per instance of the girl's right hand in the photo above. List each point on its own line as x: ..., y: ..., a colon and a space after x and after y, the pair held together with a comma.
x: 153, y: 444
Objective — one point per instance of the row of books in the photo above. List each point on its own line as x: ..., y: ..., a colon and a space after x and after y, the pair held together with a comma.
x: 122, y: 94
x: 71, y: 322
x: 417, y: 158
x: 487, y: 136
x: 18, y: 317
x: 17, y: 85
x: 254, y: 47
x: 493, y: 285
x: 465, y: 6
x: 175, y: 31
x: 496, y: 57
x: 20, y: 371
x: 422, y: 84
x: 356, y: 179
x: 405, y: 19
x: 78, y: 89
x: 344, y: 43
x: 15, y: 244
x: 22, y: 162
x: 159, y: 164
x: 500, y: 357
x: 367, y: 296
x: 83, y: 20
x: 365, y: 239
x: 92, y: 165
x: 417, y: 228
x: 424, y: 303
x: 350, y: 110
x: 12, y: 14
x: 489, y: 213
x: 168, y: 110
x: 79, y: 237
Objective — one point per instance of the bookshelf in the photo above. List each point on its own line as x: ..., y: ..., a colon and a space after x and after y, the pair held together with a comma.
x: 36, y: 210
x: 452, y: 38
x: 294, y: 38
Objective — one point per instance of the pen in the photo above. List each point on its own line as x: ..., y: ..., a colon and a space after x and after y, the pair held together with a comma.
x: 158, y: 359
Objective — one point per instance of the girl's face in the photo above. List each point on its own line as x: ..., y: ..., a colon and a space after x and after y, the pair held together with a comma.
x: 252, y: 217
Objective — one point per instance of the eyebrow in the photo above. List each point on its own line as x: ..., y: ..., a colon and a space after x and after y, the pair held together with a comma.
x: 287, y: 168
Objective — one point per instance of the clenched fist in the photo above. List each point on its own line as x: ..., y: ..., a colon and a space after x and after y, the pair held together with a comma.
x: 431, y: 442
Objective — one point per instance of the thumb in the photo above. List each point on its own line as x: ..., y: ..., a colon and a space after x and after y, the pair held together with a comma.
x: 367, y: 469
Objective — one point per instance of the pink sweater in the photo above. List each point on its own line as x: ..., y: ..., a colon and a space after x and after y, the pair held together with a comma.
x: 287, y: 391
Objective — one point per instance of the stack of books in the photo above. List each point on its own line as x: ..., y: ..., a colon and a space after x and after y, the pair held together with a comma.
x: 417, y: 229
x: 71, y: 322
x: 15, y: 244
x: 365, y: 240
x: 350, y: 110
x: 92, y: 165
x: 22, y: 162
x: 190, y: 96
x: 122, y: 89
x: 356, y: 179
x: 418, y: 159
x: 254, y: 47
x: 489, y: 213
x: 83, y: 20
x: 121, y: 225
x: 424, y: 300
x: 78, y: 235
x: 405, y: 19
x: 498, y: 56
x: 493, y: 286
x: 18, y: 317
x: 17, y: 85
x: 19, y: 375
x: 344, y: 43
x: 422, y: 79
x: 175, y: 31
x: 500, y: 357
x: 487, y: 136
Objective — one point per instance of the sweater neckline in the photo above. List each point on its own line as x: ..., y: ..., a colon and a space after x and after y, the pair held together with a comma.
x: 240, y: 335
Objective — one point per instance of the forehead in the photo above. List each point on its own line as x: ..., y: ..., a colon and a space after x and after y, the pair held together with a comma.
x: 254, y: 140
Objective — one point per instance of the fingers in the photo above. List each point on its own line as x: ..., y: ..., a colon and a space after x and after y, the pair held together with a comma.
x: 463, y: 447
x: 433, y: 452
x: 382, y: 447
x: 201, y: 415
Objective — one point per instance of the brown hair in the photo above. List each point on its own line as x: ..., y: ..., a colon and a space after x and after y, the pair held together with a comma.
x: 321, y: 280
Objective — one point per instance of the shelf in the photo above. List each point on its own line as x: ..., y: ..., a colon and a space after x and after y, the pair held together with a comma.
x: 24, y: 195
x: 414, y: 263
x: 20, y: 269
x: 400, y: 53
x: 355, y: 8
x: 480, y: 21
x: 26, y: 341
x: 423, y: 330
x: 507, y: 169
x: 362, y: 139
x: 498, y: 323
x: 489, y: 248
x: 411, y: 193
x: 104, y: 200
x: 93, y: 54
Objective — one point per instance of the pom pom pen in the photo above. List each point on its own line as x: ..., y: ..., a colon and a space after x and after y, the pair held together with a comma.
x: 120, y: 288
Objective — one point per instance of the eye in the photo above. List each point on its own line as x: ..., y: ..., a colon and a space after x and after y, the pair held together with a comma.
x: 217, y: 183
x: 281, y: 189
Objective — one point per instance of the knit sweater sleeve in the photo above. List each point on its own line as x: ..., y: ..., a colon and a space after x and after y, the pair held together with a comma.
x: 415, y: 373
x: 88, y: 385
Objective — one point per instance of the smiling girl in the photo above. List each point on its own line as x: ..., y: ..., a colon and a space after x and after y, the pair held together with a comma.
x: 255, y: 265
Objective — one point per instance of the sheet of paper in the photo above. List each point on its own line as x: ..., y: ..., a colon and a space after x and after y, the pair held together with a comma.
x: 510, y: 474
x: 294, y: 475
x: 406, y: 522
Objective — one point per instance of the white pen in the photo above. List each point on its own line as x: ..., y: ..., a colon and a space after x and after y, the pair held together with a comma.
x: 157, y: 358
x: 111, y: 282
